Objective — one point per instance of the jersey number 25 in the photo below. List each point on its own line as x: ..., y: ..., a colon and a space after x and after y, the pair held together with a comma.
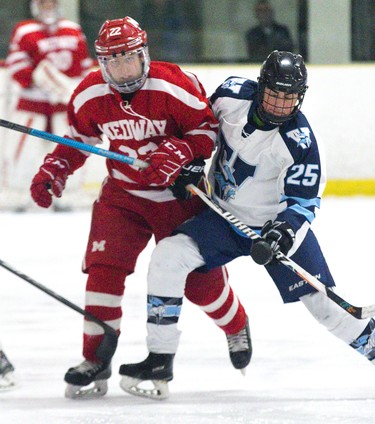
x: 306, y: 175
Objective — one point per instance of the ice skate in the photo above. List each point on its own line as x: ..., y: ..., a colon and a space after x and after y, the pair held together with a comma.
x: 7, y: 377
x: 87, y: 380
x: 240, y: 348
x: 150, y: 377
x: 365, y: 342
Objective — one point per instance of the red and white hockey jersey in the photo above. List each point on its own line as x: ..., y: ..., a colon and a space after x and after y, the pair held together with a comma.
x: 64, y: 45
x: 170, y: 103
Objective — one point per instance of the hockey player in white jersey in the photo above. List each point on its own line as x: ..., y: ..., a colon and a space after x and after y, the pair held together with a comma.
x: 269, y: 172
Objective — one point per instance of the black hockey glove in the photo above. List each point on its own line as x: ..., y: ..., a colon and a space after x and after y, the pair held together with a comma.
x: 278, y: 237
x: 191, y: 173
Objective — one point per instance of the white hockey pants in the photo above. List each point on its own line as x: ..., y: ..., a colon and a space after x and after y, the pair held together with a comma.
x: 171, y: 262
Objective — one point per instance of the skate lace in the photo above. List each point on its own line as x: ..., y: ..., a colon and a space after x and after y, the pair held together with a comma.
x: 238, y: 341
x: 89, y: 367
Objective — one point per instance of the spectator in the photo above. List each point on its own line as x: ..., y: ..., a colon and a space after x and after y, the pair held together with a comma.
x: 268, y: 35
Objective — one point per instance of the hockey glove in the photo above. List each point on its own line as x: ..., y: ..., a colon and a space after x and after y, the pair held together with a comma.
x: 166, y: 162
x: 278, y: 237
x: 50, y: 179
x: 192, y: 173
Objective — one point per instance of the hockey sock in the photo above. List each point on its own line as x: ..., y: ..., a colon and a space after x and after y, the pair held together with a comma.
x: 162, y: 318
x: 213, y: 294
x: 104, y: 290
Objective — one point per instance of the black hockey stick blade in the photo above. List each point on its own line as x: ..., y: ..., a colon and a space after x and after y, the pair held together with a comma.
x: 358, y: 312
x: 108, y: 345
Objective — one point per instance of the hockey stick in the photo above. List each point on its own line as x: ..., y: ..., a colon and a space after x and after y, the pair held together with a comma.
x: 107, y: 346
x: 357, y: 311
x: 73, y: 143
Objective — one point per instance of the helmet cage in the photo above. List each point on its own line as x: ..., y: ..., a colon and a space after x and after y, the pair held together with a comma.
x: 282, y: 72
x: 119, y: 84
x: 283, y: 117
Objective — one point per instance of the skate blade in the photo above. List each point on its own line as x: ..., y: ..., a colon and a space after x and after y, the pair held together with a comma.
x: 8, y: 382
x: 138, y: 387
x: 94, y: 390
x: 243, y: 371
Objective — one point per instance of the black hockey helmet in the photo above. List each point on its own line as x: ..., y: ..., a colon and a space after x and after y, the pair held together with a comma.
x: 282, y: 72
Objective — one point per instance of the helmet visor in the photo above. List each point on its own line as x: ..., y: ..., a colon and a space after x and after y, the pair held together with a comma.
x: 126, y: 72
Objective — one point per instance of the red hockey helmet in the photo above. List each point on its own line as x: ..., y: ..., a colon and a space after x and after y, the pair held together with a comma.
x: 121, y: 48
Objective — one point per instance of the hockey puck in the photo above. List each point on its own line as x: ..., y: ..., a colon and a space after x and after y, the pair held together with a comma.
x: 261, y: 252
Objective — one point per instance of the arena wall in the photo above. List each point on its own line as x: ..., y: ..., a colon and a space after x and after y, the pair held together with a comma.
x: 339, y: 105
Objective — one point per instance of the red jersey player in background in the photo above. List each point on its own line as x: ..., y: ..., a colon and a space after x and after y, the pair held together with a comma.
x: 157, y: 113
x: 47, y: 58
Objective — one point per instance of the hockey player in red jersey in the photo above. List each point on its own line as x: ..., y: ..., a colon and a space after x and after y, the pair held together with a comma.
x: 157, y: 113
x: 48, y: 57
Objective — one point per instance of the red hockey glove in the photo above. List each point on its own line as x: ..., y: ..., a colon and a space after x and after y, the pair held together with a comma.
x: 166, y: 162
x: 51, y: 177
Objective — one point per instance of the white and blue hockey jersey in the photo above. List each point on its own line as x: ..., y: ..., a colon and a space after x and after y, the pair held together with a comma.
x: 263, y: 171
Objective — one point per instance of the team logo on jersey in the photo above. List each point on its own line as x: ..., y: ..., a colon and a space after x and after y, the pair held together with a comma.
x: 231, y: 171
x: 65, y: 42
x: 301, y: 136
x: 233, y: 84
x: 225, y: 179
x: 131, y: 129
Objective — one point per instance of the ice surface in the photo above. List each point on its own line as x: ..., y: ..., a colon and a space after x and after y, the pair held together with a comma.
x: 299, y: 372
